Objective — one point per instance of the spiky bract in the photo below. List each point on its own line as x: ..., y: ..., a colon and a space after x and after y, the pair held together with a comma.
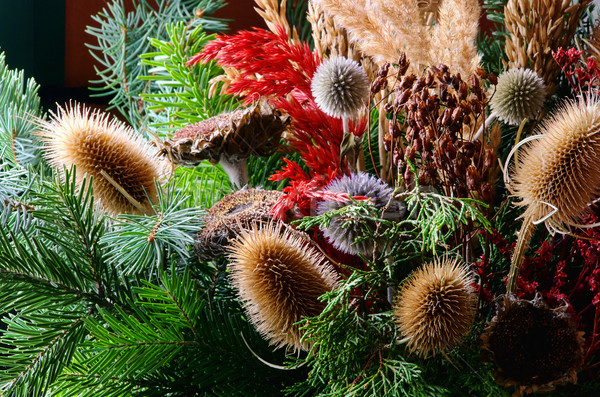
x: 88, y: 140
x: 225, y: 219
x: 436, y: 307
x: 533, y: 347
x: 357, y: 236
x: 519, y: 95
x: 558, y: 176
x: 340, y: 87
x: 279, y: 278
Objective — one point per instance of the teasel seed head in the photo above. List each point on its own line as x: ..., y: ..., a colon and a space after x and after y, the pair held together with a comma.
x: 279, y: 278
x: 533, y: 347
x: 519, y: 95
x: 344, y: 233
x: 436, y: 307
x: 225, y: 219
x: 107, y: 150
x: 340, y: 87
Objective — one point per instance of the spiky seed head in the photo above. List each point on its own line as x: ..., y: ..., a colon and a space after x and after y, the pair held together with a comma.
x: 279, y: 279
x: 519, y: 95
x: 225, y: 219
x: 93, y: 143
x: 340, y: 87
x: 355, y: 236
x: 533, y: 347
x: 436, y: 307
x: 254, y: 130
x: 559, y: 174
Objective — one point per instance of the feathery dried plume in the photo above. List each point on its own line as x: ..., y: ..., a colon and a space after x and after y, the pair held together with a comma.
x: 107, y: 150
x: 558, y: 176
x: 519, y: 95
x: 436, y: 307
x: 530, y: 45
x: 340, y: 87
x: 343, y: 233
x: 534, y: 348
x: 279, y: 278
x: 225, y: 219
x: 454, y: 35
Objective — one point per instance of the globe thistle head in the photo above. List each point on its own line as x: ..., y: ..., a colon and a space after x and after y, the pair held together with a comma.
x: 340, y: 87
x: 436, y: 307
x: 225, y: 219
x: 100, y: 147
x: 559, y: 173
x: 356, y: 236
x: 533, y: 347
x: 519, y: 95
x: 279, y: 279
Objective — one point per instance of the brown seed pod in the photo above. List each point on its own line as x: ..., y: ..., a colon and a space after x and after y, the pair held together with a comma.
x: 107, y: 150
x: 279, y: 279
x: 533, y: 347
x: 225, y: 219
x: 436, y: 307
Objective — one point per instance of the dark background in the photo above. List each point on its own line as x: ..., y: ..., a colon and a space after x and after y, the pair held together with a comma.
x: 46, y: 39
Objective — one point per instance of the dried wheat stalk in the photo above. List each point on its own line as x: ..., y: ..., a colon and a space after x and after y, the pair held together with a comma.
x: 274, y: 14
x: 538, y: 27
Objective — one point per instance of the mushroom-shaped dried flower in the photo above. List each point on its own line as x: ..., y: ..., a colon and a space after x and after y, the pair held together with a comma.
x: 558, y: 176
x: 229, y: 139
x: 519, y: 95
x: 533, y: 347
x: 121, y: 162
x: 225, y: 219
x: 358, y: 236
x: 279, y: 278
x: 340, y: 87
x: 436, y: 307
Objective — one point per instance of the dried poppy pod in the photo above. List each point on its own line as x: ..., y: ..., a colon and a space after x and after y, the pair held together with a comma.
x: 225, y: 219
x: 124, y: 166
x: 229, y: 139
x: 558, y: 176
x: 436, y: 307
x: 279, y: 278
x: 533, y: 347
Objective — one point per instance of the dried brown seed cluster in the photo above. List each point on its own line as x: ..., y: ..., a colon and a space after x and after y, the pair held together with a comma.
x: 279, y: 278
x: 226, y: 218
x: 256, y: 130
x: 534, y: 348
x: 436, y: 307
x: 440, y: 113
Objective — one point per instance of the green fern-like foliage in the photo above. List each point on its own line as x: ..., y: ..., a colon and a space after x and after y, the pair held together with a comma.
x: 123, y: 37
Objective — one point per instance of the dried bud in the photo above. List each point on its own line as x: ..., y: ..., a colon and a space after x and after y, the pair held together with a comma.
x: 407, y: 81
x: 472, y: 177
x: 383, y: 70
x: 402, y: 97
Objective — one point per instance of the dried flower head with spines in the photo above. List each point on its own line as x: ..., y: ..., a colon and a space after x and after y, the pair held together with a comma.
x: 533, y: 347
x: 436, y: 307
x: 229, y: 139
x: 279, y: 278
x: 225, y: 219
x: 519, y: 95
x: 96, y: 145
x: 340, y: 87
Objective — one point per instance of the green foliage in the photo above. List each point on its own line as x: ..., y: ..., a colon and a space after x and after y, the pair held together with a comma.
x: 491, y: 44
x: 123, y: 37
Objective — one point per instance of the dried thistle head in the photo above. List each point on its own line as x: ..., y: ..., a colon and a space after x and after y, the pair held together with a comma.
x: 340, y: 87
x: 279, y: 279
x: 436, y: 307
x: 344, y: 233
x: 88, y: 140
x: 519, y: 95
x: 229, y: 139
x: 558, y: 176
x: 533, y: 347
x: 225, y: 219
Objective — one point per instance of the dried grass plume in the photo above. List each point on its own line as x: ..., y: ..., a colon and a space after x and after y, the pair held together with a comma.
x: 436, y: 307
x: 109, y: 151
x: 279, y: 278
